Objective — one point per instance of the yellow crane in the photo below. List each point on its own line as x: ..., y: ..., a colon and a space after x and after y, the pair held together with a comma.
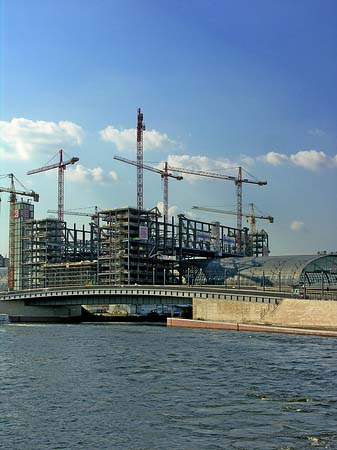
x: 252, y: 216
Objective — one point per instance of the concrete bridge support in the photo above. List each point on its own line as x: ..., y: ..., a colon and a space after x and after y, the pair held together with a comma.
x: 19, y: 312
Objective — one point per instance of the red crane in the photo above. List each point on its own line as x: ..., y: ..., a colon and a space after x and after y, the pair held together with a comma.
x: 61, y: 166
x: 140, y: 129
x: 163, y: 173
x: 238, y: 182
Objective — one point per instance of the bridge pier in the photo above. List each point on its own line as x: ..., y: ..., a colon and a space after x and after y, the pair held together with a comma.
x: 19, y: 312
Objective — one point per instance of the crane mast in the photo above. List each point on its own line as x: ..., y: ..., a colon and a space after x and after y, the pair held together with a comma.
x: 60, y: 188
x: 165, y: 176
x: 11, y: 252
x: 140, y: 129
x: 61, y: 166
x: 238, y: 183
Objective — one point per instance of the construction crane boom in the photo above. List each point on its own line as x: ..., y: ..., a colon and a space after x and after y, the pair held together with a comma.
x: 238, y: 182
x: 251, y: 215
x: 215, y: 175
x: 61, y: 166
x: 135, y: 163
x: 72, y: 213
x: 53, y: 166
x: 165, y: 174
x: 32, y: 194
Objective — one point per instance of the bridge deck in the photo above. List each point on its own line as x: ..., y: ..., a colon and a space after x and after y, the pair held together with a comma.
x: 169, y: 295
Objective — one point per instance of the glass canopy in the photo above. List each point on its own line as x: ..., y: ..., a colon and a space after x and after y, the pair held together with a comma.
x: 269, y: 271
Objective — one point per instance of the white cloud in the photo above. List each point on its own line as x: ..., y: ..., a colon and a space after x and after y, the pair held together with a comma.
x: 22, y: 139
x: 113, y: 175
x: 274, y: 158
x: 308, y: 159
x: 311, y: 159
x: 172, y: 211
x: 202, y: 163
x: 247, y: 160
x: 297, y: 225
x: 198, y: 163
x: 126, y: 139
x: 81, y: 174
x: 192, y: 215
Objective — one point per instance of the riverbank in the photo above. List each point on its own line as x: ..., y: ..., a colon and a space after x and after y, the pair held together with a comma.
x: 190, y: 323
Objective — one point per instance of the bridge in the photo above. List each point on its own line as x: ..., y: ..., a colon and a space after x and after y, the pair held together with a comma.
x: 50, y: 304
x: 135, y: 295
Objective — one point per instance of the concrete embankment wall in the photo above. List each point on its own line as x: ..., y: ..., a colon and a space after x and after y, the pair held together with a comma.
x: 19, y: 312
x: 288, y: 313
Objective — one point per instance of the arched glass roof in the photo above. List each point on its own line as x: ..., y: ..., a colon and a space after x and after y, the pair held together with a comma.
x: 286, y: 271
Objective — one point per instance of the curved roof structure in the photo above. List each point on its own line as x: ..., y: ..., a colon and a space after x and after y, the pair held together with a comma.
x: 285, y: 271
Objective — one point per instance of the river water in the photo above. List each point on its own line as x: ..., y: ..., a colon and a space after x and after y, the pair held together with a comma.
x: 141, y: 387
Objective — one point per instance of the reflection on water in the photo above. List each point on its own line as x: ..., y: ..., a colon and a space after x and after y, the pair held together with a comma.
x: 111, y: 386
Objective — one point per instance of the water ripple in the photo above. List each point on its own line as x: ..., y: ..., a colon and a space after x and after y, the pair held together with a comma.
x: 88, y: 387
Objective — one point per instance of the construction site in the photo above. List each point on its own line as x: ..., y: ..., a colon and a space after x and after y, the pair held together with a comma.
x: 124, y: 245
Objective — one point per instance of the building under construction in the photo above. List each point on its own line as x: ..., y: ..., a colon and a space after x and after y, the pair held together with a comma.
x: 123, y: 245
x: 120, y: 246
x: 137, y: 246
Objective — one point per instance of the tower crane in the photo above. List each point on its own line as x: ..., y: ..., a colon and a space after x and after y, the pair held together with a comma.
x: 140, y: 129
x: 13, y: 191
x: 93, y: 216
x: 12, y: 216
x: 61, y: 166
x: 165, y: 174
x: 238, y: 182
x: 252, y: 216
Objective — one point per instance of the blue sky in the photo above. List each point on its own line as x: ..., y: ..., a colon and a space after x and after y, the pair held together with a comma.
x: 221, y: 84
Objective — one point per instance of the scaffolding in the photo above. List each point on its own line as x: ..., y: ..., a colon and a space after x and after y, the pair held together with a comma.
x: 125, y: 244
x: 138, y: 247
x: 82, y: 273
x: 43, y: 243
x: 50, y: 246
x: 22, y: 212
